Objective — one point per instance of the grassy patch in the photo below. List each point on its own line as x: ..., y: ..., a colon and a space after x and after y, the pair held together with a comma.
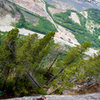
x: 44, y: 26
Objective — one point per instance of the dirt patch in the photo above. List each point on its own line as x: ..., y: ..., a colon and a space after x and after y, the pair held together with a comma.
x: 84, y: 13
x: 66, y: 36
x: 6, y: 28
x: 7, y: 20
x: 54, y: 10
x: 75, y: 18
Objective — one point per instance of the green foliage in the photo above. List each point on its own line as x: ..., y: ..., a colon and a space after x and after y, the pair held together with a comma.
x: 7, y: 56
x: 2, y: 34
x: 21, y: 22
x: 43, y: 26
x: 80, y: 31
x: 94, y: 14
x: 49, y: 5
x: 1, y: 93
x: 20, y: 56
x: 40, y: 91
x: 22, y: 72
x: 75, y: 68
x: 78, y: 53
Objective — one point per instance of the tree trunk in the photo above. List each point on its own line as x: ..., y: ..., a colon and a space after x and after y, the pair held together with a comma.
x: 33, y: 80
x: 5, y: 81
x: 55, y: 76
x: 53, y: 62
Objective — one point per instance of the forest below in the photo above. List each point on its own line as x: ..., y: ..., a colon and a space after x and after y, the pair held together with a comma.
x: 29, y: 65
x: 81, y: 32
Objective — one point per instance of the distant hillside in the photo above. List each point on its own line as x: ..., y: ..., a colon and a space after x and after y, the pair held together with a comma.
x: 8, y: 13
x: 79, y: 5
x: 84, y: 27
x: 72, y: 27
x: 22, y: 18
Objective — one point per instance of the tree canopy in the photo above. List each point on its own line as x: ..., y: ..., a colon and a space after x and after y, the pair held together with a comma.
x: 23, y: 60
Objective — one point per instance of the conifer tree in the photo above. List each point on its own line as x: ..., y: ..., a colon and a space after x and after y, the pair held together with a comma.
x: 8, y: 54
x: 67, y: 70
x: 31, y: 53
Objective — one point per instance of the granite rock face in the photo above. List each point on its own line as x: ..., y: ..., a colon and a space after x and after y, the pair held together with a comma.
x: 94, y: 96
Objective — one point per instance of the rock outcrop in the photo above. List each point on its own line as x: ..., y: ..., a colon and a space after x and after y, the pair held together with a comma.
x: 94, y: 96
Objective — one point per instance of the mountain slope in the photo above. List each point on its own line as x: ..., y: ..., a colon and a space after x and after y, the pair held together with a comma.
x: 79, y: 26
x: 72, y: 27
x: 32, y: 22
x: 8, y: 15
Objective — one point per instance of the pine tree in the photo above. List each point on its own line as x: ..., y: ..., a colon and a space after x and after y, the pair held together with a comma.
x: 30, y: 55
x: 8, y: 54
x: 67, y: 70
